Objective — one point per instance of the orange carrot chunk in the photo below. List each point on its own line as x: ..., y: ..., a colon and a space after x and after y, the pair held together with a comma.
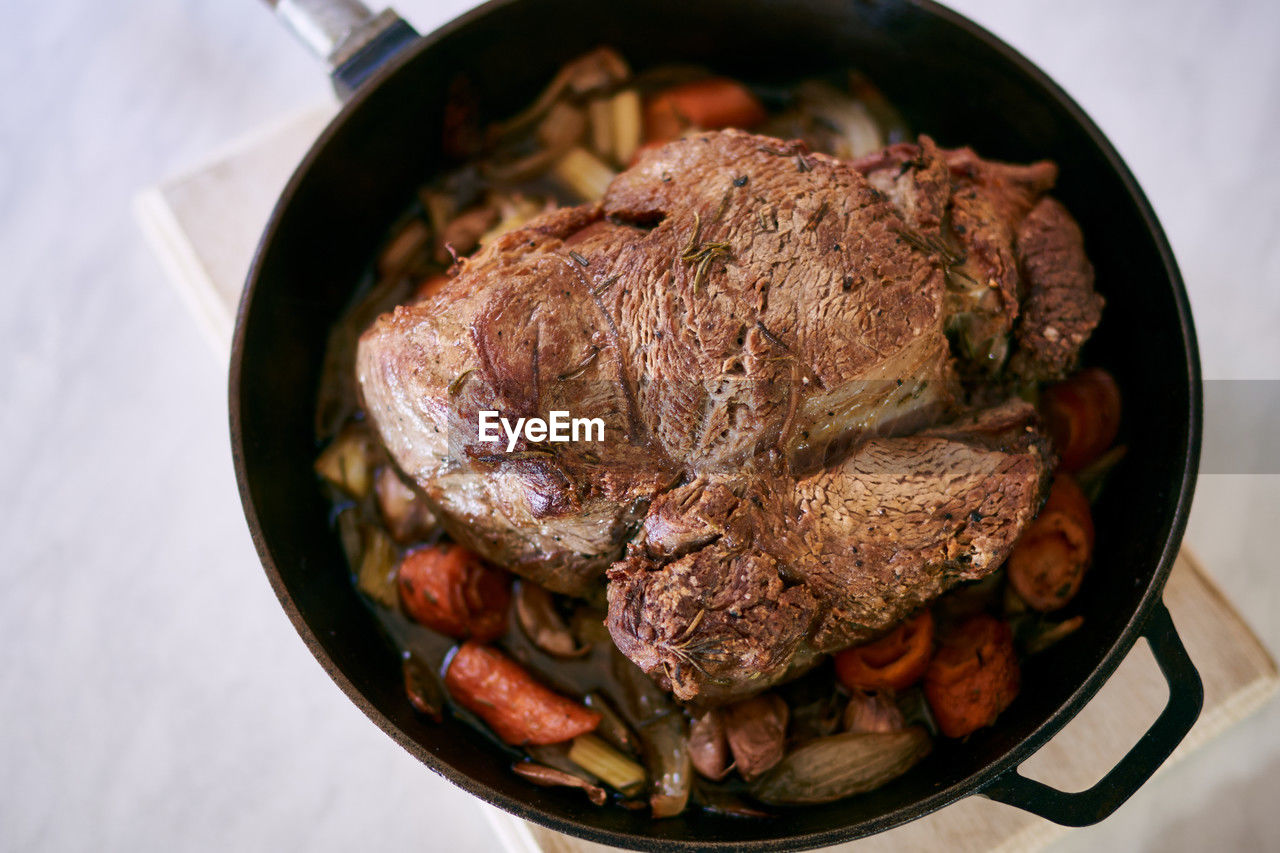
x: 704, y: 104
x: 1049, y: 561
x: 450, y: 589
x: 1083, y: 416
x: 973, y: 677
x: 894, y: 662
x: 504, y: 695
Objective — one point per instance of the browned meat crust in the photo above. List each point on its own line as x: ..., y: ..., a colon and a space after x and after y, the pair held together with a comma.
x: 1061, y: 309
x: 741, y: 297
x: 1008, y: 251
x: 735, y: 584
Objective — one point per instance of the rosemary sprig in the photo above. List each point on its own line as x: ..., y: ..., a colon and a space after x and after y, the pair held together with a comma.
x: 703, y: 254
x: 694, y: 237
x: 931, y: 245
x: 605, y: 285
x: 700, y: 275
x: 581, y: 260
x: 458, y: 381
x: 817, y: 216
x: 771, y: 337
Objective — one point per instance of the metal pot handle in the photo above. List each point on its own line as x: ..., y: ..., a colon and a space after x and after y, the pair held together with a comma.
x: 350, y: 38
x: 1186, y: 696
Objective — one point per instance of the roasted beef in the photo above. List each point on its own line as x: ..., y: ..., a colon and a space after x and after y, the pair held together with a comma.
x: 733, y: 295
x: 756, y: 325
x: 1016, y: 271
x: 735, y: 583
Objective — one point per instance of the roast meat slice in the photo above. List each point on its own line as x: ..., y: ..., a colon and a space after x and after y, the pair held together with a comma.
x: 733, y: 296
x: 736, y: 583
x: 773, y: 304
x: 518, y: 333
x: 1018, y: 280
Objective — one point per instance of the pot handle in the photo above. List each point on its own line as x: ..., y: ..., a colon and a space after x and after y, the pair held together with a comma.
x: 350, y: 38
x: 1186, y: 696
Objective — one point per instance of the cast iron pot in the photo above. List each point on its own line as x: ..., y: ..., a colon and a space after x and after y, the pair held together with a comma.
x: 951, y: 79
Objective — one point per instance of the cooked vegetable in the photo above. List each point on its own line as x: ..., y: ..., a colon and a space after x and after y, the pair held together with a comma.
x: 709, y: 104
x: 1066, y: 497
x: 440, y: 207
x: 872, y: 712
x: 377, y: 575
x: 893, y: 662
x: 536, y: 612
x: 612, y: 727
x: 628, y: 125
x: 973, y: 677
x: 347, y: 461
x: 1049, y: 561
x: 464, y: 231
x: 549, y: 777
x: 709, y: 747
x: 1093, y: 476
x: 816, y: 708
x: 504, y: 695
x: 886, y: 115
x: 1046, y: 634
x: 838, y: 766
x: 515, y: 210
x: 351, y: 534
x: 666, y: 742
x: 582, y: 173
x: 404, y: 248
x: 600, y: 115
x: 404, y: 512
x: 719, y: 801
x: 1083, y: 416
x: 757, y: 732
x: 591, y: 72
x: 450, y: 589
x: 561, y: 129
x: 600, y: 759
x: 422, y: 686
x: 557, y: 755
x: 838, y: 123
x: 663, y: 736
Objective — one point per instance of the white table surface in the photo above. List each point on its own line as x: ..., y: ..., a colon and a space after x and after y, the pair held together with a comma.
x: 152, y: 694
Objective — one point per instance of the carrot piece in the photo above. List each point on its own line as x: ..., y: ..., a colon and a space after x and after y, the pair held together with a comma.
x: 1083, y: 416
x: 504, y: 695
x: 1066, y: 496
x: 706, y: 104
x: 894, y: 662
x: 1049, y: 560
x: 973, y: 677
x: 450, y: 589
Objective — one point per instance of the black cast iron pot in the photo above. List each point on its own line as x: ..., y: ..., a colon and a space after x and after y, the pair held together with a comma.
x: 951, y: 79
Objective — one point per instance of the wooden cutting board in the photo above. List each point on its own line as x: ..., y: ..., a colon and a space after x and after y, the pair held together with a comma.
x: 204, y: 226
